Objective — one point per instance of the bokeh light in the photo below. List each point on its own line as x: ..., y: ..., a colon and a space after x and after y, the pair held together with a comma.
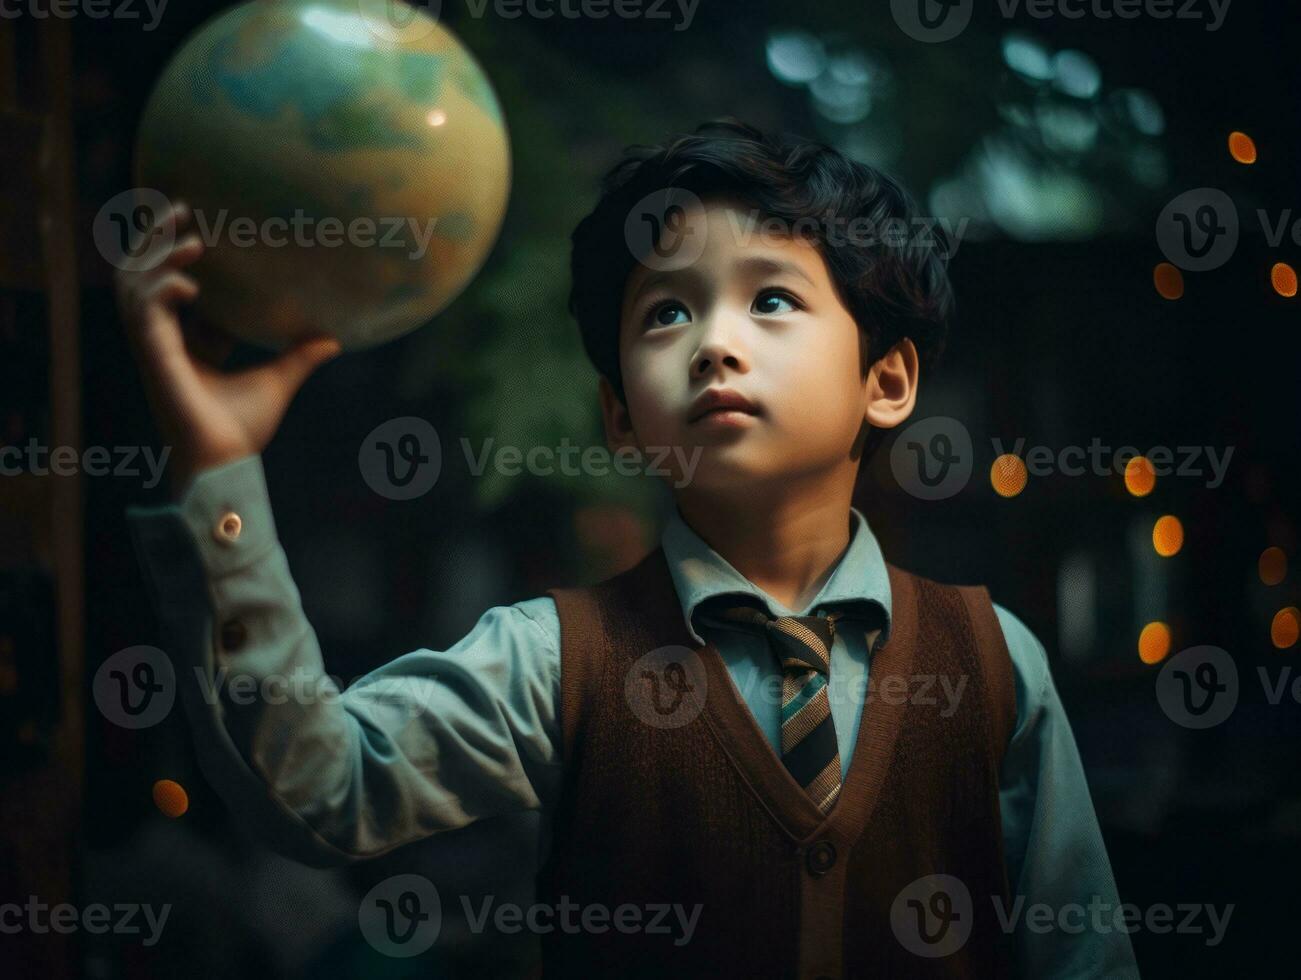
x: 1066, y: 128
x: 1242, y: 147
x: 1027, y: 57
x: 1140, y: 477
x: 1285, y: 628
x: 1168, y: 535
x: 1141, y: 110
x: 1008, y: 475
x: 795, y: 57
x: 1272, y: 565
x: 1169, y: 281
x: 1154, y: 643
x: 1076, y: 74
x: 1283, y: 278
x: 841, y: 102
x: 170, y: 798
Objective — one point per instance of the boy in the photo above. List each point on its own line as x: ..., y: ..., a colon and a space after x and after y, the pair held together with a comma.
x: 695, y: 729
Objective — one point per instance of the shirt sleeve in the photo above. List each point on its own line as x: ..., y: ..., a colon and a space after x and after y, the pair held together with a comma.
x: 428, y: 742
x: 1054, y: 849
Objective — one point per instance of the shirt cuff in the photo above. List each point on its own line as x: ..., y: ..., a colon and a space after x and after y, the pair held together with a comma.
x: 224, y: 517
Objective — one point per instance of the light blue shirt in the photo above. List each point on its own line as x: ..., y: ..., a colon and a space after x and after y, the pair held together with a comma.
x: 435, y: 740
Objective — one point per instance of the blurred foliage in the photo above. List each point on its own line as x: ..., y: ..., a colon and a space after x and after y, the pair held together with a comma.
x: 508, y: 352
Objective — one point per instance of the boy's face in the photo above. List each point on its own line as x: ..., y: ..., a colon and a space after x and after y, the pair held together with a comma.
x: 759, y: 315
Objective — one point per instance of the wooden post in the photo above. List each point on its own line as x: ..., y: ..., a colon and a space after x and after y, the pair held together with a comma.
x: 40, y: 807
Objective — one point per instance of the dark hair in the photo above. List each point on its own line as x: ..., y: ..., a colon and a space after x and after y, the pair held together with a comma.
x: 891, y: 290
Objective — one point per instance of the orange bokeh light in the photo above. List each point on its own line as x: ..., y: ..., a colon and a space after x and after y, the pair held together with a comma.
x: 1272, y: 565
x: 1140, y: 477
x: 1283, y: 278
x: 1286, y: 627
x: 170, y: 798
x: 1169, y: 281
x: 1242, y: 147
x: 1008, y: 475
x: 1167, y: 535
x: 1154, y: 643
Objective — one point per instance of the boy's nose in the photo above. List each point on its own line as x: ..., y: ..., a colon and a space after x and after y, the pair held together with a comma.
x: 718, y: 346
x: 707, y: 361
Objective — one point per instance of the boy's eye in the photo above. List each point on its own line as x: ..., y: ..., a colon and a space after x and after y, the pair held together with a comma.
x: 656, y: 317
x: 774, y: 295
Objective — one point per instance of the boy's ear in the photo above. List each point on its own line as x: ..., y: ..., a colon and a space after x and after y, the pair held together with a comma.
x: 892, y: 386
x: 615, y: 417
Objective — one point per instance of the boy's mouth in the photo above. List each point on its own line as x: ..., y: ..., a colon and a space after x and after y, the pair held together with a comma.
x: 721, y: 402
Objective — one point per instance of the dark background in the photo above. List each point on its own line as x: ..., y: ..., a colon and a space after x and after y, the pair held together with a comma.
x: 1060, y: 338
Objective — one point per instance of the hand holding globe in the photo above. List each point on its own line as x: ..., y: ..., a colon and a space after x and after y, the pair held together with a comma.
x: 312, y: 176
x: 207, y: 416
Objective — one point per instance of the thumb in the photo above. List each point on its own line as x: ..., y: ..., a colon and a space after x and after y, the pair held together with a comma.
x: 296, y: 364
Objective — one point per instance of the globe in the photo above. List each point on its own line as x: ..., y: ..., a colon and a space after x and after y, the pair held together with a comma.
x: 346, y: 163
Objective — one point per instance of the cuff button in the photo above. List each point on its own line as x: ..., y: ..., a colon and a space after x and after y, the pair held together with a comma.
x: 228, y: 528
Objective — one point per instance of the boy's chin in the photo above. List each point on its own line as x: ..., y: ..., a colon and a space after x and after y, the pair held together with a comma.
x: 727, y: 475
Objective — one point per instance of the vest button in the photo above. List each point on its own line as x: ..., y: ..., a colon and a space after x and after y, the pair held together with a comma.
x: 820, y: 858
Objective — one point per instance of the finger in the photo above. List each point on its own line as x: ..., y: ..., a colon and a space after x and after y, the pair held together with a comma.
x: 155, y: 327
x: 153, y: 245
x: 171, y: 290
x: 135, y: 289
x: 187, y: 251
x: 176, y: 218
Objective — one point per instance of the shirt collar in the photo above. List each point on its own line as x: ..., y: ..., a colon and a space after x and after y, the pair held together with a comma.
x: 700, y: 573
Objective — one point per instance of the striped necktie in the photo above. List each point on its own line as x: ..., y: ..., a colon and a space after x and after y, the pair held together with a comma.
x: 802, y: 645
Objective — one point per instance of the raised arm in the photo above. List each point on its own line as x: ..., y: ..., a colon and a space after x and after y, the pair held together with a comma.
x: 428, y: 742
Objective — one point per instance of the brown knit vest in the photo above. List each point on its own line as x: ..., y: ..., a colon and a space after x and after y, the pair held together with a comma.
x: 704, y: 813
